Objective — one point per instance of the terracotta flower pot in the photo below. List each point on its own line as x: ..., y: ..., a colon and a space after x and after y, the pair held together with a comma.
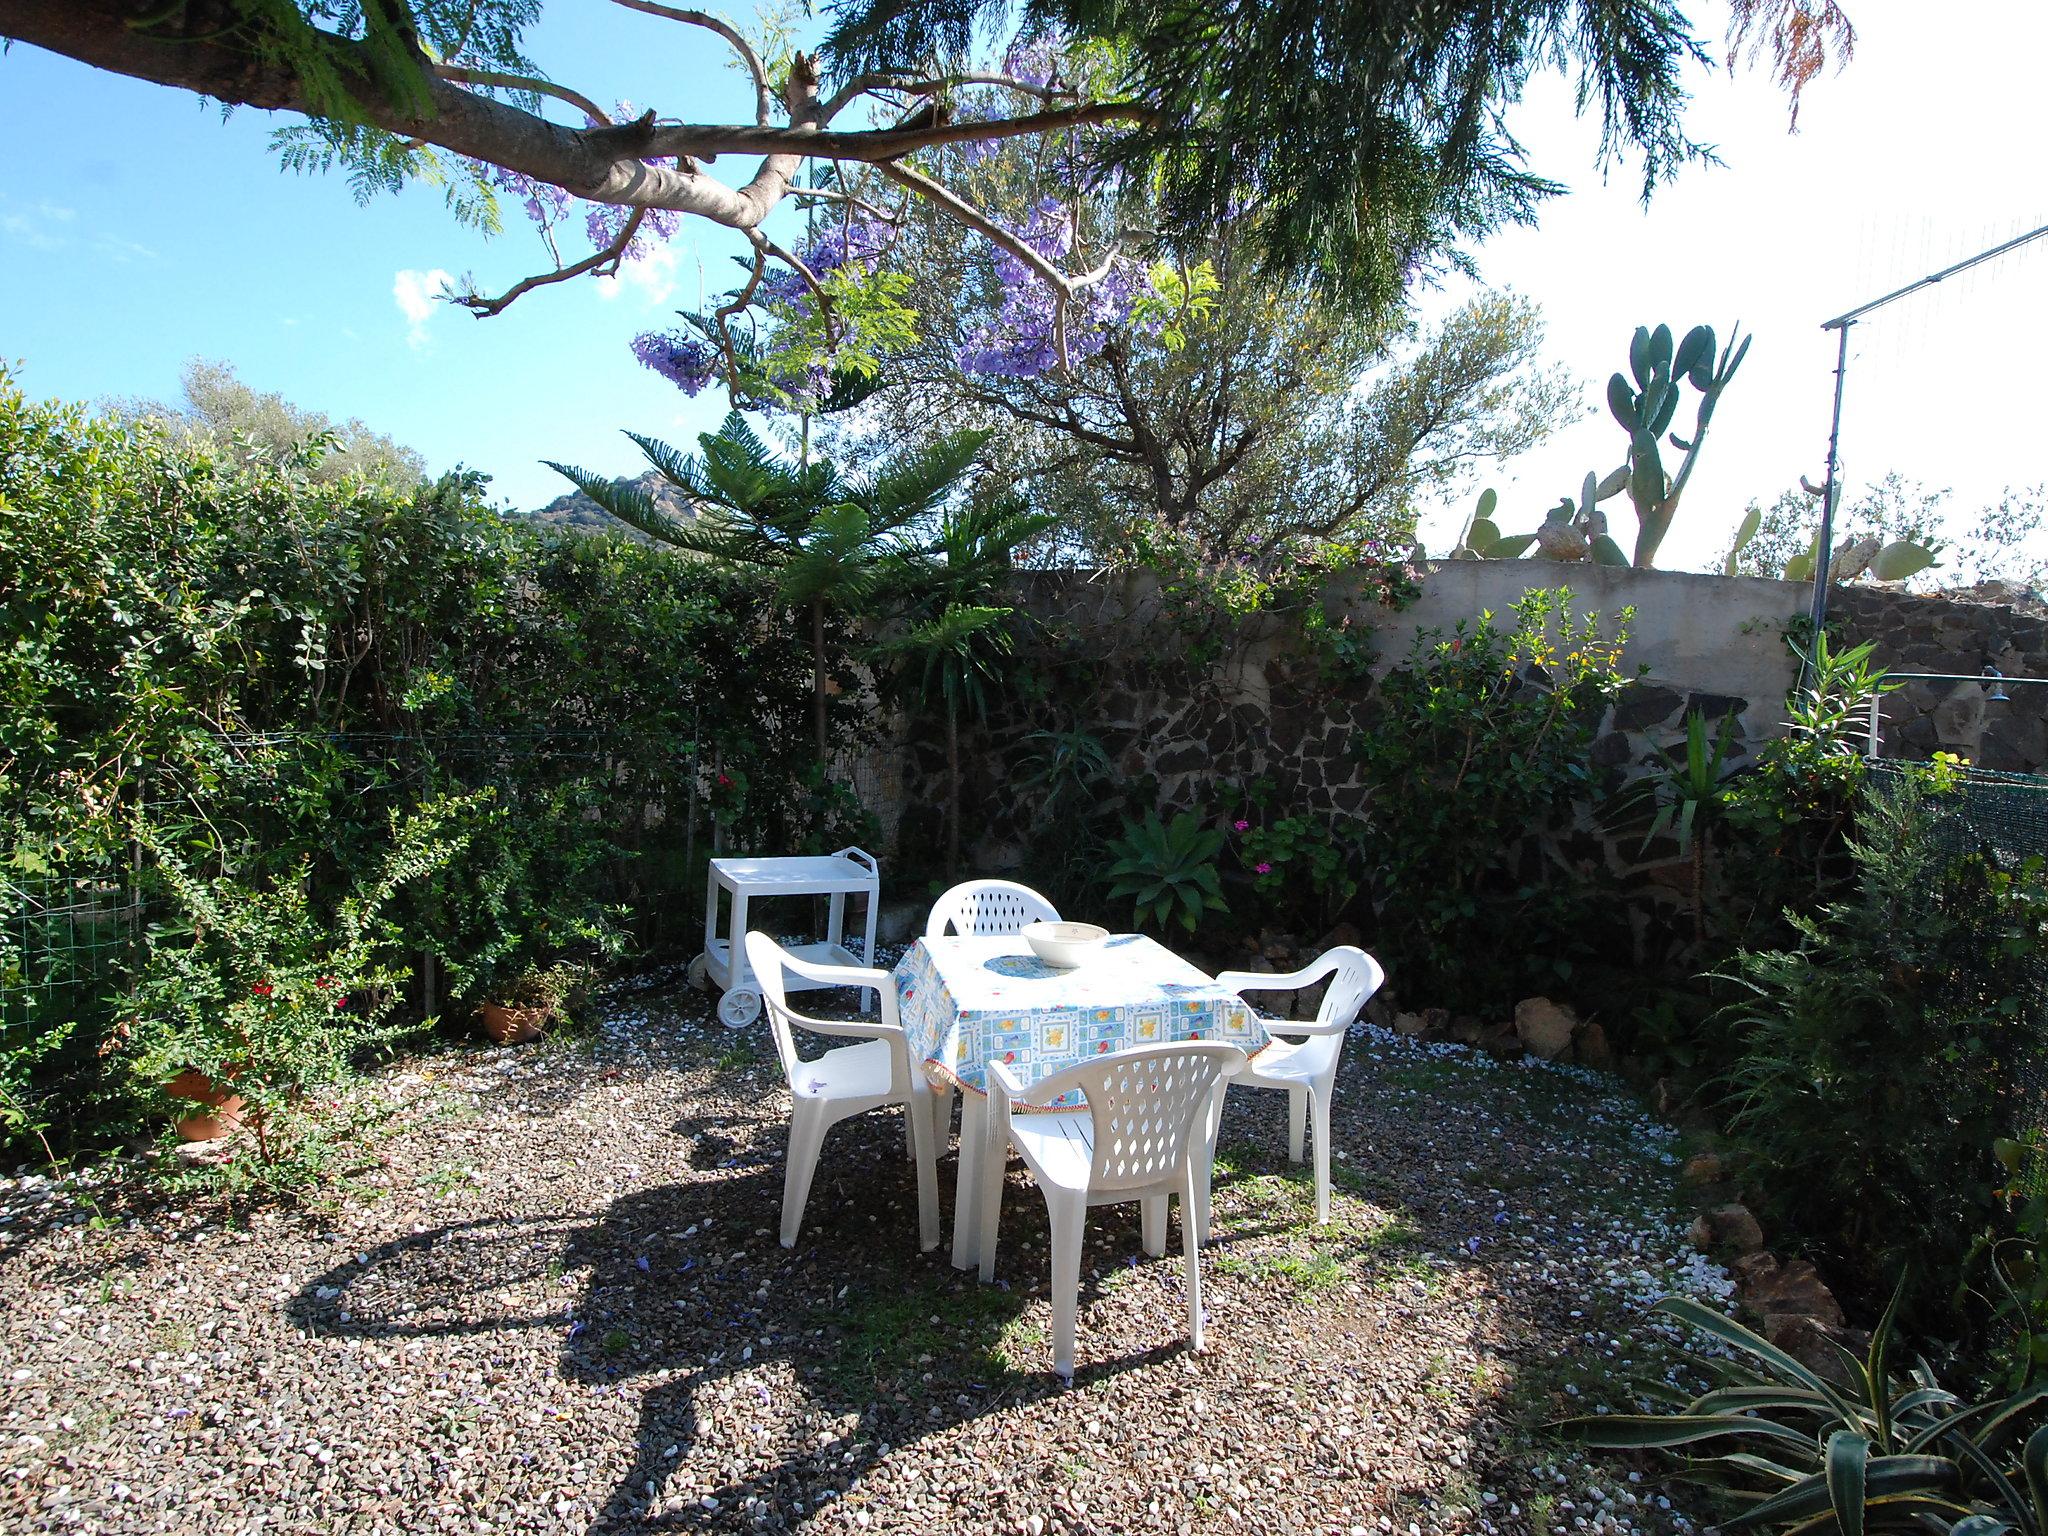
x: 224, y: 1107
x: 511, y: 1026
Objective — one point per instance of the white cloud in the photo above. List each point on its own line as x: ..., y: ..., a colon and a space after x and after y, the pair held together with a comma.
x: 41, y: 226
x: 652, y: 276
x: 418, y: 295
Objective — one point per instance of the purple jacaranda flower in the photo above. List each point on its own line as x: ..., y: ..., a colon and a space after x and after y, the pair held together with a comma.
x: 688, y: 362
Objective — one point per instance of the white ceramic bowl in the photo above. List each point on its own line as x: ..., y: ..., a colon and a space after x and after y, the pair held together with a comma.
x: 1065, y: 945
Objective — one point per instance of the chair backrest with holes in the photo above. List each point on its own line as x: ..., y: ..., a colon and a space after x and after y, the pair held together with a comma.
x: 1357, y: 977
x: 1148, y: 1104
x: 987, y: 908
x: 764, y: 959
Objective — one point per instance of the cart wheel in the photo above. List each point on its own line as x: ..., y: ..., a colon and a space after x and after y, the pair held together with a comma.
x: 740, y: 1006
x: 698, y: 976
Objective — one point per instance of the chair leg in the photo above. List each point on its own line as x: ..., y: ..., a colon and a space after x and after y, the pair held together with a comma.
x: 942, y: 1118
x: 807, y: 1127
x: 1067, y: 1211
x: 1321, y: 1106
x: 918, y: 1116
x: 1297, y: 1121
x: 1191, y: 1249
x: 914, y: 1106
x: 1205, y: 1165
x: 1152, y: 1224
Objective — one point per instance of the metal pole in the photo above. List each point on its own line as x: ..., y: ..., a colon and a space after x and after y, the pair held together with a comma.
x: 1824, y: 554
x: 1841, y: 324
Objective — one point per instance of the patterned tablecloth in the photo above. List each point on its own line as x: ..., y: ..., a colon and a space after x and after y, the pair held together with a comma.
x: 966, y: 1002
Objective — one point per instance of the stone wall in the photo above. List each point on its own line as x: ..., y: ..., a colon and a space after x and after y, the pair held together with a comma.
x: 1108, y: 660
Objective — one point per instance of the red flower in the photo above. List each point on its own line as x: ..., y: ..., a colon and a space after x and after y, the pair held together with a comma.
x: 724, y: 782
x: 262, y: 989
x: 323, y: 981
x: 341, y: 1002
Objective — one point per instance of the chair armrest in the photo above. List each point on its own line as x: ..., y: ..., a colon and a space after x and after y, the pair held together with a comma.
x: 849, y: 1029
x: 1011, y: 1085
x: 838, y: 975
x: 1300, y: 1027
x: 1277, y: 981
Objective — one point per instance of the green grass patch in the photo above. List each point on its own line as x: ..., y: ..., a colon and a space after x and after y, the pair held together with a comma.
x: 1424, y: 1076
x: 878, y: 1341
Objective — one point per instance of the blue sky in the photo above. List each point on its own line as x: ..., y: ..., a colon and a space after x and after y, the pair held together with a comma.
x: 151, y: 231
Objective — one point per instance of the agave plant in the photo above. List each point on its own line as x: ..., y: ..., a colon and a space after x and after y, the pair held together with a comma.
x: 1874, y: 1452
x: 1168, y: 870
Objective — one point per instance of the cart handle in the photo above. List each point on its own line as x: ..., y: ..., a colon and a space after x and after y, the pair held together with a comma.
x: 861, y: 856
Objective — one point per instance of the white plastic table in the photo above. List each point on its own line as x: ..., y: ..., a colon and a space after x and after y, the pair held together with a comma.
x: 850, y: 871
x: 967, y: 1001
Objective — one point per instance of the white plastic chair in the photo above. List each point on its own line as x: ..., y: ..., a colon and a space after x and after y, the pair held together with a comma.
x: 843, y: 1082
x: 1306, y: 1066
x: 1140, y: 1138
x: 981, y: 909
x: 978, y: 908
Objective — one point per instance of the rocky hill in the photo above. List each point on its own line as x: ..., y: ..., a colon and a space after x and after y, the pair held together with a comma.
x: 577, y: 511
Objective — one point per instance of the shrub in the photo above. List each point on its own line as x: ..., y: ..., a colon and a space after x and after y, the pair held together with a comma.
x: 1872, y: 1057
x: 252, y: 987
x: 278, y: 666
x: 1472, y: 749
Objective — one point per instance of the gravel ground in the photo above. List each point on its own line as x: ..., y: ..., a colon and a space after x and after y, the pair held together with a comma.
x: 556, y: 1303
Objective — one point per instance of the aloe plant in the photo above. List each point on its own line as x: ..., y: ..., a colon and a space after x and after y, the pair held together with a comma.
x: 1690, y: 796
x: 1872, y: 1452
x: 1167, y: 870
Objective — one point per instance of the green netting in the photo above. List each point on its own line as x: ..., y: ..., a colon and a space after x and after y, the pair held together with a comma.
x: 2005, y: 815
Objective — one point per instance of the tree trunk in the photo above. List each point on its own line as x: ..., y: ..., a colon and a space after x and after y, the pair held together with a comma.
x: 818, y: 681
x: 952, y: 791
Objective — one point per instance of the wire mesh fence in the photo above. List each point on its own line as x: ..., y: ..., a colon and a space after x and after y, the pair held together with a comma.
x: 71, y: 935
x: 2004, y: 817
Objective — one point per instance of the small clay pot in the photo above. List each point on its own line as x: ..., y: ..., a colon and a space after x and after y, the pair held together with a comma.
x: 511, y: 1026
x: 224, y: 1106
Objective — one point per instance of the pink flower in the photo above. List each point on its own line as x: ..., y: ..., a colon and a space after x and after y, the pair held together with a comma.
x: 1243, y: 826
x: 1262, y: 869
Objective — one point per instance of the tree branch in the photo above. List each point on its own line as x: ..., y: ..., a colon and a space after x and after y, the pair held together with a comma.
x: 764, y: 93
x: 910, y: 85
x: 966, y: 213
x: 733, y: 306
x: 604, y: 164
x: 596, y: 261
x: 582, y: 103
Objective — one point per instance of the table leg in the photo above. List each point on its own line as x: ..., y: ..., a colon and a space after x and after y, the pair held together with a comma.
x: 995, y: 1160
x: 710, y: 909
x: 736, y: 966
x: 967, y: 1191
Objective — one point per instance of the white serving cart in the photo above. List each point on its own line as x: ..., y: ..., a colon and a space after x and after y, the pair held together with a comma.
x: 850, y: 871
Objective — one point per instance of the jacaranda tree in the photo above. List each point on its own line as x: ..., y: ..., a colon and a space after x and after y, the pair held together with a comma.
x: 1354, y: 140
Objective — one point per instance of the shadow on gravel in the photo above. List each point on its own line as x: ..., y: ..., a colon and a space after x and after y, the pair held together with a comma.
x: 852, y: 1345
